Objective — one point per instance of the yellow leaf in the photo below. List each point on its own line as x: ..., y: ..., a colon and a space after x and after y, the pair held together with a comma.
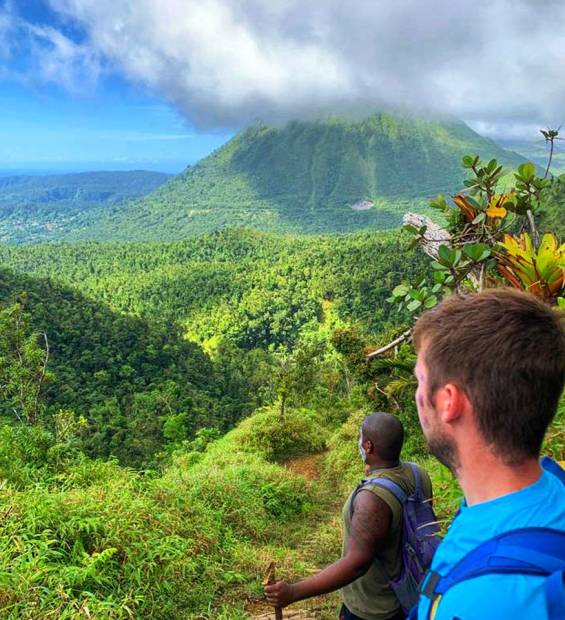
x: 494, y: 211
x: 496, y: 205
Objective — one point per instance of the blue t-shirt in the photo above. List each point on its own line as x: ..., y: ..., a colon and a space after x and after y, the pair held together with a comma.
x: 497, y: 597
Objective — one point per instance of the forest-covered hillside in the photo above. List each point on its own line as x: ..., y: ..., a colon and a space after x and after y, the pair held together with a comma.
x: 258, y: 289
x: 118, y: 316
x: 128, y: 377
x: 305, y: 177
x: 34, y: 208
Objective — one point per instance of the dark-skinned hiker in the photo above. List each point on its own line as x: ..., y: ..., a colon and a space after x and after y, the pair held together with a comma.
x: 491, y: 370
x: 371, y: 572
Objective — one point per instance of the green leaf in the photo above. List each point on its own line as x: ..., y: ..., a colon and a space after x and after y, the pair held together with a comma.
x: 527, y: 171
x: 439, y: 266
x: 445, y: 255
x: 474, y: 203
x: 477, y: 252
x: 411, y: 228
x: 491, y: 166
x: 468, y: 161
x: 479, y: 218
x: 414, y: 305
x: 400, y: 291
x: 430, y: 302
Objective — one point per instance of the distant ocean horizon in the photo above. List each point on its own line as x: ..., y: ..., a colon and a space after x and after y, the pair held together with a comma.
x: 32, y: 169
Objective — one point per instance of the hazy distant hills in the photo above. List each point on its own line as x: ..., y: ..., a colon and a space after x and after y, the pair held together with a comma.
x: 335, y: 175
x: 42, y: 207
x: 307, y: 177
x: 537, y: 151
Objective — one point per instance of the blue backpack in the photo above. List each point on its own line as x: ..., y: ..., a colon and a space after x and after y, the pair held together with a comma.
x: 536, y: 551
x: 420, y: 535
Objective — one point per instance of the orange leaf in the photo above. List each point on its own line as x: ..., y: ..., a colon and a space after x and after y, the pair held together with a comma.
x: 468, y: 211
x: 510, y: 276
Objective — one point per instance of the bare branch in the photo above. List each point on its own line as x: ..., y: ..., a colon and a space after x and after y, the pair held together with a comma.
x: 390, y: 345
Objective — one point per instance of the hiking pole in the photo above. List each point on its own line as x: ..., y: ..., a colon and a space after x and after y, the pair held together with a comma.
x: 269, y: 580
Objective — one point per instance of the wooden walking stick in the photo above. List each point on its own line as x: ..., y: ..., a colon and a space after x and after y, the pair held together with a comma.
x: 269, y: 580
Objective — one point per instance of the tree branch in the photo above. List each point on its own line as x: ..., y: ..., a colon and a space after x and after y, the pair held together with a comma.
x: 390, y: 345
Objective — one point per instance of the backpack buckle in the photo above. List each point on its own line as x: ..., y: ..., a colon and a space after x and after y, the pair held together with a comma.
x: 429, y: 583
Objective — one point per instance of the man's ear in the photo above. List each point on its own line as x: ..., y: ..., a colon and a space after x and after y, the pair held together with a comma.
x: 370, y: 447
x: 451, y: 402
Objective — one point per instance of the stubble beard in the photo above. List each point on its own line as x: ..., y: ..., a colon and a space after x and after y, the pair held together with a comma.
x: 444, y: 449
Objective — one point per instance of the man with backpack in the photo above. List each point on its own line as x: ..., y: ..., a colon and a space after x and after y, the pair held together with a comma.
x: 372, y: 562
x: 491, y: 370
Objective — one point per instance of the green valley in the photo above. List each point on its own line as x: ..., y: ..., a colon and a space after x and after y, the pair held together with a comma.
x: 258, y: 289
x: 42, y: 208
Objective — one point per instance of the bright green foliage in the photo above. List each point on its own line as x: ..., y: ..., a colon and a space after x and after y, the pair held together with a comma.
x: 23, y: 366
x: 249, y: 298
x: 93, y: 540
x: 539, y: 271
x: 124, y: 375
x: 275, y: 438
x: 256, y: 289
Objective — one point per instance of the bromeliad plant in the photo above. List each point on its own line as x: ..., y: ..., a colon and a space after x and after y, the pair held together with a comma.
x: 541, y: 271
x: 489, y: 238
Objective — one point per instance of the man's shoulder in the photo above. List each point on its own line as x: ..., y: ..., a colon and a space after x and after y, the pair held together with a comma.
x: 491, y: 596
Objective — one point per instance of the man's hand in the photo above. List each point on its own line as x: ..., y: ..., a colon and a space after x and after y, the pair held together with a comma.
x: 370, y: 525
x: 280, y: 594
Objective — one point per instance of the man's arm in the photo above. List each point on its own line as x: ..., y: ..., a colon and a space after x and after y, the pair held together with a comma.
x: 370, y: 525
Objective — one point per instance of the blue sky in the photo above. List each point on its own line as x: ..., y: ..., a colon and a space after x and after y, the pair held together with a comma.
x: 118, y: 128
x: 114, y: 124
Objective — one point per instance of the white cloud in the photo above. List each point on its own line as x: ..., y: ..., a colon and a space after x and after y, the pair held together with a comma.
x: 226, y: 62
x: 46, y: 54
x: 59, y: 60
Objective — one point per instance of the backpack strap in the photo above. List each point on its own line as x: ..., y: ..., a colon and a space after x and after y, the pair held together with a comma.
x: 384, y: 483
x: 553, y: 467
x: 389, y: 485
x: 419, y: 492
x: 555, y: 595
x: 535, y: 551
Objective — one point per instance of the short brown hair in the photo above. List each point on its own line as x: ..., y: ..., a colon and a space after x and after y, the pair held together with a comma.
x: 506, y: 350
